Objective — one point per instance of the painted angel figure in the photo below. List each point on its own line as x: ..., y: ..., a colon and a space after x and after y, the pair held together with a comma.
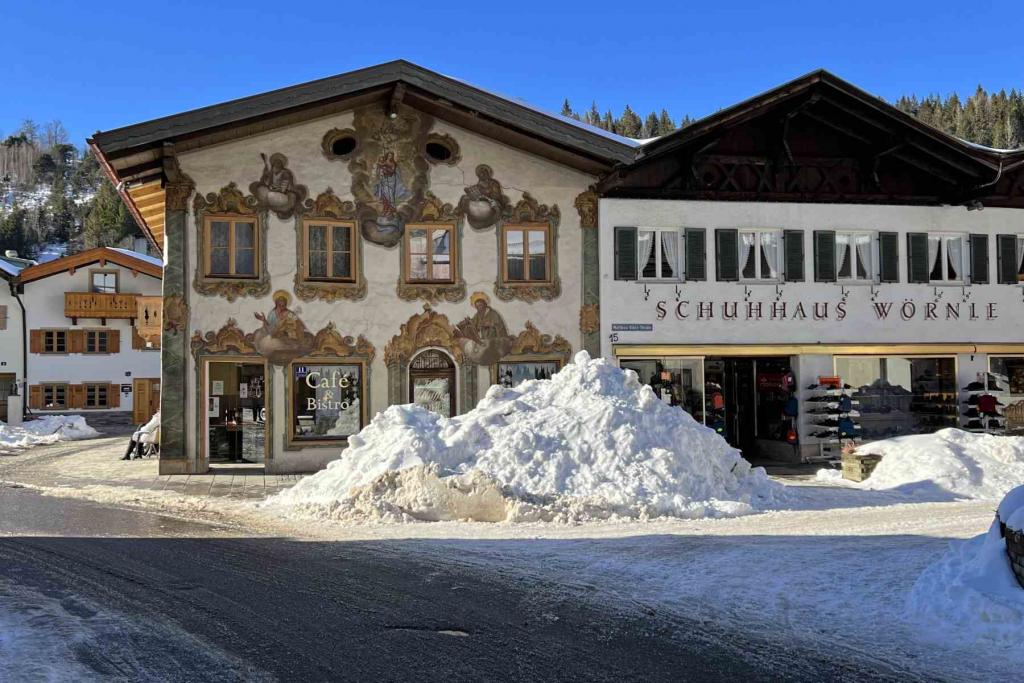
x: 484, y: 337
x: 276, y: 189
x: 282, y: 335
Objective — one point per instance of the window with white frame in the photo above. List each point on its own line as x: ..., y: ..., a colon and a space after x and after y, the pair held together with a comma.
x: 855, y: 260
x: 947, y: 255
x: 659, y: 253
x: 1020, y: 258
x: 760, y: 254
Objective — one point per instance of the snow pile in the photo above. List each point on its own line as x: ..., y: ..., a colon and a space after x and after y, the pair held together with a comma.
x: 971, y: 594
x: 589, y: 443
x: 950, y: 463
x: 45, y: 430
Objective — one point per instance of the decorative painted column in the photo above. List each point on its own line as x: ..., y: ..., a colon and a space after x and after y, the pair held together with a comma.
x: 590, y: 319
x: 470, y: 386
x: 174, y: 347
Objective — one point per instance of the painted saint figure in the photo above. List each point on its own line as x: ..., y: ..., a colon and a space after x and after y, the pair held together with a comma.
x: 389, y: 188
x: 484, y: 337
x: 276, y: 188
x: 282, y: 336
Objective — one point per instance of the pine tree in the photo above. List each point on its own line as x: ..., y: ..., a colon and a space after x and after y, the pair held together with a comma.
x: 629, y: 124
x: 665, y: 123
x: 608, y: 122
x: 567, y: 109
x: 108, y: 221
x: 651, y: 127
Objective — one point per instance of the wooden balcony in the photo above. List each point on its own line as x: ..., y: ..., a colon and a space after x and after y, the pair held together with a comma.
x: 89, y: 305
x: 149, y: 319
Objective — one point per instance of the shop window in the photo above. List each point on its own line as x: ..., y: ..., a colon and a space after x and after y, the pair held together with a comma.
x: 55, y: 341
x: 430, y: 253
x: 1010, y: 371
x: 678, y: 382
x: 525, y: 253
x: 901, y: 395
x: 327, y: 401
x: 97, y: 395
x: 329, y: 251
x: 513, y: 372
x: 759, y: 252
x: 946, y: 256
x: 854, y: 257
x: 432, y: 382
x: 1019, y: 257
x: 230, y: 247
x: 103, y: 282
x: 55, y: 396
x: 97, y: 341
x: 659, y: 253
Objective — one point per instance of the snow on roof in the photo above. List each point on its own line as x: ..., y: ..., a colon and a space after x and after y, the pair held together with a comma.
x: 142, y: 257
x: 9, y: 268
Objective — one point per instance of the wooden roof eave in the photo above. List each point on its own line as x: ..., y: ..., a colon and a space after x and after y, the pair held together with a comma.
x: 85, y: 258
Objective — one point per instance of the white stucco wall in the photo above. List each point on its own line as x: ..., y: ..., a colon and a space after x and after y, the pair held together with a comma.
x: 44, y: 304
x: 628, y: 302
x: 379, y: 316
x: 11, y: 358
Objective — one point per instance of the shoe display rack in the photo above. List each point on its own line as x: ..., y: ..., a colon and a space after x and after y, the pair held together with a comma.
x: 982, y: 404
x: 832, y: 416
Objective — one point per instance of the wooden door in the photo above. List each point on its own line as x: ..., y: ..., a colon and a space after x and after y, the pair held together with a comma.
x: 147, y: 399
x: 7, y: 382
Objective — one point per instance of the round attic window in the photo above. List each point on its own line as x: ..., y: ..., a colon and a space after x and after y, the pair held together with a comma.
x: 441, y: 149
x: 438, y: 151
x: 343, y: 146
x: 339, y: 144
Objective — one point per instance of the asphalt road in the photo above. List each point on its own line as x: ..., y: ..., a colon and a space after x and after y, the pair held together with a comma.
x: 188, y: 601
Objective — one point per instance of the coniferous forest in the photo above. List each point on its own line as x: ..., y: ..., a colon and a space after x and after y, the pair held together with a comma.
x: 53, y: 193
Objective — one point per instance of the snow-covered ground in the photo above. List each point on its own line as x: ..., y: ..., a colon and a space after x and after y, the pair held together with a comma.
x: 44, y: 430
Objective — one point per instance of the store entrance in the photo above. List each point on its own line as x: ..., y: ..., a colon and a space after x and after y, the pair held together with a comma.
x: 748, y: 401
x: 235, y: 413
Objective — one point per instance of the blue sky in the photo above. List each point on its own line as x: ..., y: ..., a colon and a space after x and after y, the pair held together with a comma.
x: 100, y: 65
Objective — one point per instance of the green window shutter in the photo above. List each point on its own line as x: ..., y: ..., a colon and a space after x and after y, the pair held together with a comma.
x: 888, y: 257
x: 696, y: 254
x: 824, y: 256
x: 793, y: 243
x: 917, y: 257
x: 1006, y: 261
x: 625, y: 253
x: 979, y: 259
x: 727, y: 257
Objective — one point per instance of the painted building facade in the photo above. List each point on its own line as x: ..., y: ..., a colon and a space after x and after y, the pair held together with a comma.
x: 400, y: 237
x: 92, y: 322
x: 810, y: 244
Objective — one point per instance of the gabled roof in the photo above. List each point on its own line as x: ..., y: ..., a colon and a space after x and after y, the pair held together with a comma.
x: 134, y: 261
x: 846, y: 111
x: 10, y: 266
x: 134, y: 154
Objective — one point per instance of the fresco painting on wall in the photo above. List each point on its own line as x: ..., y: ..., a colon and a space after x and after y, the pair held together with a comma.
x: 484, y: 338
x: 276, y: 189
x: 282, y: 336
x: 389, y: 174
x: 484, y: 203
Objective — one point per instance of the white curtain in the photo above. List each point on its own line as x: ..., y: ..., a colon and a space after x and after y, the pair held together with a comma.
x: 863, y: 257
x: 670, y: 250
x: 934, y: 255
x: 1020, y: 256
x: 644, y: 247
x: 845, y: 268
x: 955, y: 255
x: 770, y: 249
x: 748, y: 265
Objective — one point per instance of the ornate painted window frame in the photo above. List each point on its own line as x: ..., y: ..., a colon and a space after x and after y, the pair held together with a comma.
x: 232, y: 203
x: 328, y: 207
x: 330, y: 348
x: 434, y: 215
x: 531, y: 346
x: 526, y: 212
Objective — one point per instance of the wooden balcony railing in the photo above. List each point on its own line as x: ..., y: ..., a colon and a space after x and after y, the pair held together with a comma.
x: 149, y: 319
x: 89, y: 305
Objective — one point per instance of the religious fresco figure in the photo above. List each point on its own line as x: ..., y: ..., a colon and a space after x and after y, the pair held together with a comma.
x: 276, y: 189
x: 483, y: 203
x: 388, y: 185
x: 282, y: 336
x: 484, y: 338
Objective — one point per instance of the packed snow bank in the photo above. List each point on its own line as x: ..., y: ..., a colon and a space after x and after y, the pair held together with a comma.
x: 589, y: 443
x: 950, y: 463
x: 44, y: 430
x: 971, y: 594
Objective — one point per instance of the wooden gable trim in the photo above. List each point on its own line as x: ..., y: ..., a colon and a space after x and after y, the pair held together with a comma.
x: 101, y: 255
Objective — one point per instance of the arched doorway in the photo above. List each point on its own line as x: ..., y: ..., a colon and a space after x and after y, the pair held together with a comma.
x: 432, y: 382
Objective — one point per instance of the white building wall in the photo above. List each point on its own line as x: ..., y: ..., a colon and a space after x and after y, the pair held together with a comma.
x: 44, y: 303
x: 11, y: 338
x: 998, y: 309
